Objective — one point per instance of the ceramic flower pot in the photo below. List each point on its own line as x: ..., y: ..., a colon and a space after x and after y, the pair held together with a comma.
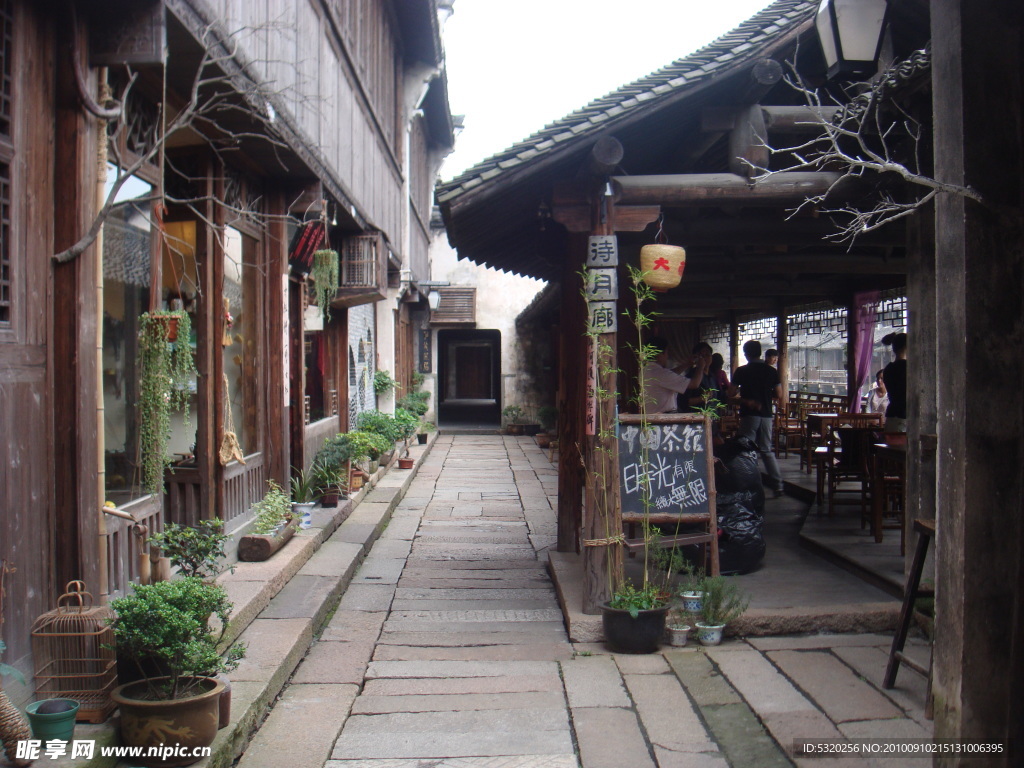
x: 304, y: 511
x: 692, y: 601
x: 710, y: 634
x: 677, y: 634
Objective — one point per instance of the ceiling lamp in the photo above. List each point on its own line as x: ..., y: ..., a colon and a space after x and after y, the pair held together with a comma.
x: 851, y: 35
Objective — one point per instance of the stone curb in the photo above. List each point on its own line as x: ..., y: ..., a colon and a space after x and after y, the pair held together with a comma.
x: 359, y: 521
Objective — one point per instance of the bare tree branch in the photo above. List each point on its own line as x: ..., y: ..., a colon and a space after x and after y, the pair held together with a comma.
x: 870, y: 135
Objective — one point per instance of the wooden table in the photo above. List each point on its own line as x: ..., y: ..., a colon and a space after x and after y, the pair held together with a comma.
x: 895, y: 458
x: 815, y: 424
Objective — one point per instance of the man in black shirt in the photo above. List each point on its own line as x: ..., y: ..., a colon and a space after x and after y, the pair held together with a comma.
x: 758, y: 386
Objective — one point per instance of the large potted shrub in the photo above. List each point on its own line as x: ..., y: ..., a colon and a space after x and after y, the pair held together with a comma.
x: 166, y: 379
x: 514, y: 416
x: 367, y: 447
x: 194, y: 550
x: 406, y: 424
x: 382, y: 424
x: 169, y: 621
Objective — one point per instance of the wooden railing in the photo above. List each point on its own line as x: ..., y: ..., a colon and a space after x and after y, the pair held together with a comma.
x: 124, y: 547
x: 244, y: 484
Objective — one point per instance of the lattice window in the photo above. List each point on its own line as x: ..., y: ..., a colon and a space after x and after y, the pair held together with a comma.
x: 817, y: 318
x: 714, y: 332
x: 361, y: 265
x: 6, y: 65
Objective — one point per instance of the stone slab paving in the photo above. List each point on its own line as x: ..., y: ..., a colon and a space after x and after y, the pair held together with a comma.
x: 451, y: 633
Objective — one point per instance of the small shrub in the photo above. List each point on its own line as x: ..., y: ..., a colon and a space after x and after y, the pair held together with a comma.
x: 368, y: 445
x: 272, y: 510
x: 382, y: 382
x: 193, y: 551
x: 415, y: 402
x: 513, y: 414
x: 381, y: 423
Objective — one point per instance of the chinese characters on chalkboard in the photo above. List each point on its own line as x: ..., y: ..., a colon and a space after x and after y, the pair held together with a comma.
x: 668, y: 461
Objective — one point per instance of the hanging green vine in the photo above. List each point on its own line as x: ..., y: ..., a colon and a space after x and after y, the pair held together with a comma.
x: 325, y: 279
x: 166, y: 372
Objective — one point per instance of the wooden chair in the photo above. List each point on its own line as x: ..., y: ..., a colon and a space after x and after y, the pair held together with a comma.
x: 888, y: 495
x: 847, y: 469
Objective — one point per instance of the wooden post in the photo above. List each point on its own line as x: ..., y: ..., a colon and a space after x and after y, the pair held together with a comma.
x: 852, y: 334
x: 602, y: 513
x: 734, y: 345
x: 782, y: 345
x: 979, y: 546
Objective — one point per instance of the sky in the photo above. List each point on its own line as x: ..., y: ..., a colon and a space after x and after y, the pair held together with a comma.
x: 516, y: 65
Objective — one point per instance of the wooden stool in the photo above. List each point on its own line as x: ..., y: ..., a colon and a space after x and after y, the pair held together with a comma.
x: 926, y: 531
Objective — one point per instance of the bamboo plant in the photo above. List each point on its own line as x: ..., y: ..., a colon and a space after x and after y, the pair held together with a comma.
x: 167, y: 369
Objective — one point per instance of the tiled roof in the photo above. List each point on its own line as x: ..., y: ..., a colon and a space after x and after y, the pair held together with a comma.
x: 740, y: 43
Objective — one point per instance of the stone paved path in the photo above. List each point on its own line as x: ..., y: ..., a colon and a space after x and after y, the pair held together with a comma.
x: 448, y: 651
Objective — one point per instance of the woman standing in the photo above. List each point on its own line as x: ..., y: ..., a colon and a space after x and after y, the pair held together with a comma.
x: 894, y: 376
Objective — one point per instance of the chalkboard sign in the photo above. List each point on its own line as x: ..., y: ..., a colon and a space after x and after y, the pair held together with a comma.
x: 672, y: 452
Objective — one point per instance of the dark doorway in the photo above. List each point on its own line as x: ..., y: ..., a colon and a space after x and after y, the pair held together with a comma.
x: 469, y: 382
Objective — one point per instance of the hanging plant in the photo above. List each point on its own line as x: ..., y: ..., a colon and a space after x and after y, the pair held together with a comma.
x: 166, y: 371
x: 325, y: 278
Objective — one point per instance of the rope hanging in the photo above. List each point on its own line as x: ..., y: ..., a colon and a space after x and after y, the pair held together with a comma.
x: 229, y: 447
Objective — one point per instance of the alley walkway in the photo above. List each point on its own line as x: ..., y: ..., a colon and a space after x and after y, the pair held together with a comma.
x: 448, y: 650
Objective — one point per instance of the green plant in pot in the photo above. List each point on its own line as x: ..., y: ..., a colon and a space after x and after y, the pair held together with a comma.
x: 513, y: 419
x: 723, y: 601
x: 193, y: 550
x: 367, y: 446
x: 273, y: 511
x: 383, y: 383
x: 166, y: 374
x: 170, y: 621
x: 332, y: 464
x: 407, y: 423
x: 325, y: 279
x: 305, y: 485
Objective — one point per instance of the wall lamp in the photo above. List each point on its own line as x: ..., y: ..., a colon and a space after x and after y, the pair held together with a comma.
x: 433, y: 296
x: 851, y: 35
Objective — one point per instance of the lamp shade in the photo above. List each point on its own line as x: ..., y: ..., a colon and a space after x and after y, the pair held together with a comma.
x: 851, y: 35
x: 433, y: 299
x: 662, y: 265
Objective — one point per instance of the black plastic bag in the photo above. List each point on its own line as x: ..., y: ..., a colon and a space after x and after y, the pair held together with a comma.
x: 740, y: 506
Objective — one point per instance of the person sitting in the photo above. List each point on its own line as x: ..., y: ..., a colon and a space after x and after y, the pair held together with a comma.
x: 878, y: 397
x: 661, y: 383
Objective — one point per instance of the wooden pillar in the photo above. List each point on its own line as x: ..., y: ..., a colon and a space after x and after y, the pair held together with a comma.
x: 571, y: 394
x: 782, y: 345
x: 979, y: 666
x: 209, y: 360
x: 923, y: 375
x: 852, y: 334
x: 276, y: 443
x: 734, y: 344
x: 75, y: 331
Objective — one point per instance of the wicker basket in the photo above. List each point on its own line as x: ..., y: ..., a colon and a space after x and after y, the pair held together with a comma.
x: 662, y: 265
x: 73, y: 646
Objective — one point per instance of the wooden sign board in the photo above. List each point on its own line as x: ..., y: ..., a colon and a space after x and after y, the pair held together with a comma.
x: 671, y: 455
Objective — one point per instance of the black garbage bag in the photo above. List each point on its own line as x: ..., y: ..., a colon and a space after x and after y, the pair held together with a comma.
x: 740, y: 506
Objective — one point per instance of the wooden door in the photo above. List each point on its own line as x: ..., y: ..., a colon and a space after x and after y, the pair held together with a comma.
x: 473, y: 373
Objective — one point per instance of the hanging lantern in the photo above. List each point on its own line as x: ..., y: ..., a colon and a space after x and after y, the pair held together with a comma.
x: 662, y: 265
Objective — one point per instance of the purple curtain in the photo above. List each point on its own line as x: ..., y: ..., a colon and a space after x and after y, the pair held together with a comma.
x: 864, y: 344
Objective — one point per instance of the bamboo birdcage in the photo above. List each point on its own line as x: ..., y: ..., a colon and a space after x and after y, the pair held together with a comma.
x: 73, y: 646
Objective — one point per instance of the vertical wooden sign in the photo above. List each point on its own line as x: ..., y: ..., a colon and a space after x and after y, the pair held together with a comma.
x: 591, y: 412
x: 286, y: 331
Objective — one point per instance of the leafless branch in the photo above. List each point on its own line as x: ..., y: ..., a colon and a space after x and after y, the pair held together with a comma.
x: 870, y: 135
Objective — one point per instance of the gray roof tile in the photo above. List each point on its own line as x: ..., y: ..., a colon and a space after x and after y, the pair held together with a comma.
x: 735, y: 45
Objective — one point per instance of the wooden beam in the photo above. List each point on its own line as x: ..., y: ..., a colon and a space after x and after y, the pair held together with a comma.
x: 748, y: 150
x: 713, y: 188
x: 797, y: 120
x: 700, y: 264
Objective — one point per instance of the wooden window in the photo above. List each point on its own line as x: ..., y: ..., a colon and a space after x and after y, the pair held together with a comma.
x: 458, y: 305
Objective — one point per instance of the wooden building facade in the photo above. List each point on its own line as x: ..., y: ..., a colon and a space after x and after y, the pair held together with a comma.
x: 682, y: 146
x: 240, y: 123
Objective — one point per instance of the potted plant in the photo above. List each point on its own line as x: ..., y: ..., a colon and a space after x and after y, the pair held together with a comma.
x: 425, y: 428
x: 13, y: 727
x: 723, y: 601
x: 548, y: 417
x: 634, y: 619
x: 169, y: 621
x: 677, y: 627
x: 272, y: 526
x: 383, y: 383
x: 193, y: 550
x: 692, y: 590
x: 513, y: 419
x: 325, y: 279
x: 406, y: 423
x: 367, y: 447
x: 166, y: 380
x: 305, y: 484
x: 382, y: 424
x: 333, y: 462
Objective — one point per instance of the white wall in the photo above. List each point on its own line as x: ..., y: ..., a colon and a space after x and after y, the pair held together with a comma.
x: 500, y: 297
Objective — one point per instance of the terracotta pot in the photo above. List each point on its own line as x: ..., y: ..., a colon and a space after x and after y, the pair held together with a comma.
x: 181, y: 724
x: 516, y: 429
x: 406, y: 463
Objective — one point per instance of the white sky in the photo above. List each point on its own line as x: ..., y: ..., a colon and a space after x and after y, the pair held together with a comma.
x: 516, y: 65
